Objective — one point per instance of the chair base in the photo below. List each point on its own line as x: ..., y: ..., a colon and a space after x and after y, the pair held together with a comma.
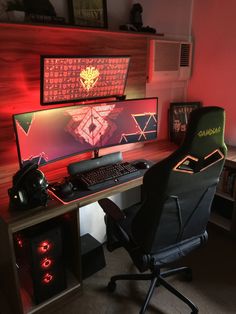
x: 157, y: 279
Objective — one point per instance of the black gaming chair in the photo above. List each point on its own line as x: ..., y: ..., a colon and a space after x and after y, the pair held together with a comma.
x: 172, y: 218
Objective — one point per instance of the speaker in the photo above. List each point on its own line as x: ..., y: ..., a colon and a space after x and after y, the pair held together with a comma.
x: 92, y: 255
x: 40, y: 261
x: 29, y: 188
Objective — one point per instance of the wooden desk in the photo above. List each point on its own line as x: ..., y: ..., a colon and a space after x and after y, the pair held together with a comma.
x: 12, y: 223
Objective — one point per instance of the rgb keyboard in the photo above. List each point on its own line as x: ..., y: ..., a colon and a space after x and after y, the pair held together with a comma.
x: 105, y: 175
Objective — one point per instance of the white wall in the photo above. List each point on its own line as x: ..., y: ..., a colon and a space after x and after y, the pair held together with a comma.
x: 171, y: 17
x: 166, y: 92
x: 61, y: 8
x: 118, y: 13
x: 92, y: 216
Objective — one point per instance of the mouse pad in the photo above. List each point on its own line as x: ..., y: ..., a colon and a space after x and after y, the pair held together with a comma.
x: 80, y: 192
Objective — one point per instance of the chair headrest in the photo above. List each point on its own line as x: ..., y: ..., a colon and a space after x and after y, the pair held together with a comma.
x: 205, y: 131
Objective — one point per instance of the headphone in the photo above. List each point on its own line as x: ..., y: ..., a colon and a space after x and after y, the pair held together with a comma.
x: 29, y: 188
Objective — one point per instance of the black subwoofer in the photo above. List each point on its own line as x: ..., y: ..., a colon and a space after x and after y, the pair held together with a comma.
x: 92, y: 255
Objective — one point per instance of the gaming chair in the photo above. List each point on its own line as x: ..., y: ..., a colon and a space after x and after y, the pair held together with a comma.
x: 171, y: 220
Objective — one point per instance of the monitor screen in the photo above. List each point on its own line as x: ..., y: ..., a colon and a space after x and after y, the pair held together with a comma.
x: 74, y: 78
x: 48, y: 135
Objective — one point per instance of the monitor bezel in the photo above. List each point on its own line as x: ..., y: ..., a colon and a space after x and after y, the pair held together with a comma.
x: 87, y: 150
x: 43, y: 57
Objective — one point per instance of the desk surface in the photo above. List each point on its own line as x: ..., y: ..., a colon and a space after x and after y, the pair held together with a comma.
x: 17, y: 220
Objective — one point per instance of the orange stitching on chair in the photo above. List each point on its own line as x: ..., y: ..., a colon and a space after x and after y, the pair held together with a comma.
x: 187, y: 160
x: 215, y: 151
x: 176, y: 167
x: 221, y: 156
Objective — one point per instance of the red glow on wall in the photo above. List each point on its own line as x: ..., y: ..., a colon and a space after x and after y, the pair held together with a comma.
x: 213, y: 77
x: 44, y: 247
x: 151, y: 63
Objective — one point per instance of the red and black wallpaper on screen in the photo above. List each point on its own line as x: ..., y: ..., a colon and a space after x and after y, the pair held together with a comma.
x: 48, y: 135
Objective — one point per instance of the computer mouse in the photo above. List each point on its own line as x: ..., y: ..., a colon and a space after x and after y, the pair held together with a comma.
x: 142, y: 165
x: 66, y: 188
x: 63, y: 188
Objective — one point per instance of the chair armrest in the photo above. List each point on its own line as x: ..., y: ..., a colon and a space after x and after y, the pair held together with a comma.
x: 111, y: 209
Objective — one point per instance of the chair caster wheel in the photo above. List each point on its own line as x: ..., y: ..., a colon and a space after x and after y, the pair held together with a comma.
x: 158, y: 284
x: 111, y: 286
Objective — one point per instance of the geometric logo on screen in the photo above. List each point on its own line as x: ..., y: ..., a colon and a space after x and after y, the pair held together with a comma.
x: 92, y: 125
x: 25, y: 122
x: 73, y: 78
x: 147, y: 128
x: 89, y: 77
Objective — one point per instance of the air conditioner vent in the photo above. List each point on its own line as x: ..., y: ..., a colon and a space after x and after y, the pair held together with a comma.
x: 184, y: 55
x: 169, y: 60
x: 166, y: 60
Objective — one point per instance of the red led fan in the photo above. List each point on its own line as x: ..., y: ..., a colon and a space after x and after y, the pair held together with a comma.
x: 46, y: 263
x: 44, y: 247
x: 47, y: 278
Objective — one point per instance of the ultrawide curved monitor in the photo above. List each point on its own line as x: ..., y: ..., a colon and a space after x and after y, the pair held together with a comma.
x: 75, y: 78
x: 48, y: 135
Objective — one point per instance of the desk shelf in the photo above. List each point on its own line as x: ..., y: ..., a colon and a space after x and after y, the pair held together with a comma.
x: 224, y: 204
x: 17, y: 299
x: 220, y: 221
x: 20, y: 299
x: 74, y: 287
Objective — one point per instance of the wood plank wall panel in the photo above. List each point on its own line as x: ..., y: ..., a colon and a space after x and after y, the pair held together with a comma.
x: 20, y: 50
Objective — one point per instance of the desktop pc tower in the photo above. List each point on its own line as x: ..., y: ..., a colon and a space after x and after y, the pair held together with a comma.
x: 39, y: 259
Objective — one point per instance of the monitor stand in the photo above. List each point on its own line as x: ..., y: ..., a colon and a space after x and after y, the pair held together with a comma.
x: 122, y: 97
x: 85, y: 165
x: 96, y: 154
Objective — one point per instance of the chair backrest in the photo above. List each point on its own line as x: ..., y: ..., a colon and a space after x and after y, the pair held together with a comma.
x: 179, y: 189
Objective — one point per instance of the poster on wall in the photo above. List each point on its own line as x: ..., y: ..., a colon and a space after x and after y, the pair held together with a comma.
x: 88, y: 13
x: 178, y: 119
